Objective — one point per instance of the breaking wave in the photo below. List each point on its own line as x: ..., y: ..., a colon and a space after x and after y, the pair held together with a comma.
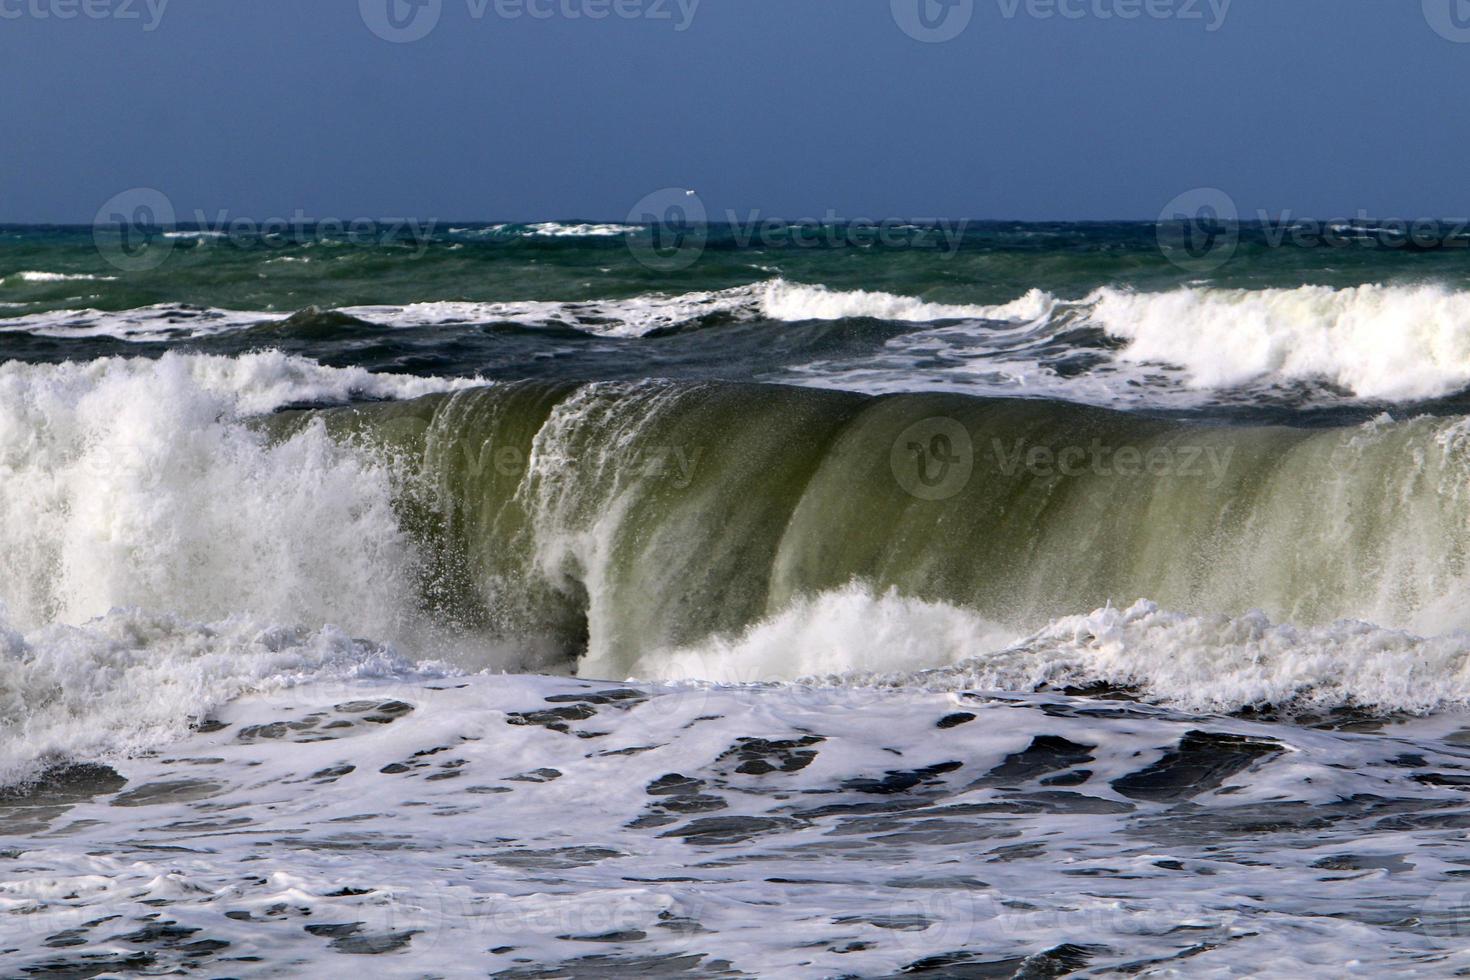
x: 722, y: 532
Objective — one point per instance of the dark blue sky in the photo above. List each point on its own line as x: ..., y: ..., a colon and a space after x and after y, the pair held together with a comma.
x: 796, y: 107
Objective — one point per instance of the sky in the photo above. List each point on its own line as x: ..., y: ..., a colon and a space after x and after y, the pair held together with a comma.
x: 795, y: 108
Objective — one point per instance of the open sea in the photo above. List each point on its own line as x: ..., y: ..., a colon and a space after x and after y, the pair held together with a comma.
x: 574, y: 600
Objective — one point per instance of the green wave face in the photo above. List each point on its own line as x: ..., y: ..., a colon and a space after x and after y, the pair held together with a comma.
x: 605, y: 520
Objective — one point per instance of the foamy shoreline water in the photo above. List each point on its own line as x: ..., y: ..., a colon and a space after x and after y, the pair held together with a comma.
x: 443, y: 827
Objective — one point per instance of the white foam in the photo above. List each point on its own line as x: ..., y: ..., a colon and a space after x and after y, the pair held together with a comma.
x: 460, y: 839
x: 1208, y: 663
x: 1181, y: 347
x: 144, y: 324
x: 556, y: 229
x: 1395, y: 343
x: 782, y: 300
x: 1378, y: 342
x: 131, y: 680
x: 637, y: 316
x: 59, y: 277
x: 549, y: 229
x: 1223, y: 663
x: 845, y: 631
x: 135, y: 483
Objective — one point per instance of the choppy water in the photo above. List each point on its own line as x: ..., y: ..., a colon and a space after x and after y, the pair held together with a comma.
x: 1048, y: 601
